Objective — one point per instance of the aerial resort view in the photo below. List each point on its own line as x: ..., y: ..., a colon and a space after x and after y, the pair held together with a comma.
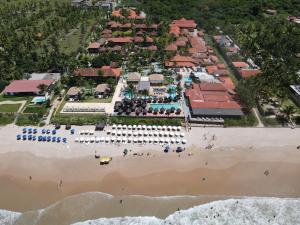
x: 149, y: 112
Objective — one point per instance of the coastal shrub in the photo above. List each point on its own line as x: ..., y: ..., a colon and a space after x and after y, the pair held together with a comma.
x: 245, y: 121
x: 78, y: 119
x: 6, y: 118
x: 26, y: 120
x: 146, y: 121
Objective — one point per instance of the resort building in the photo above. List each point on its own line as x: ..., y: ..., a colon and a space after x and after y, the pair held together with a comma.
x: 180, y: 61
x: 45, y: 76
x: 212, y: 100
x: 28, y: 87
x: 74, y: 93
x: 156, y: 79
x: 102, y: 90
x: 133, y: 78
x: 144, y: 84
x: 103, y: 72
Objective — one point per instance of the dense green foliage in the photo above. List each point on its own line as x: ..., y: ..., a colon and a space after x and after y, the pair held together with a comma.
x: 6, y: 118
x: 30, y: 35
x: 245, y: 121
x: 78, y: 119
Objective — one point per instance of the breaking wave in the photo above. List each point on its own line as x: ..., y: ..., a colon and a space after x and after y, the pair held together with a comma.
x: 243, y: 211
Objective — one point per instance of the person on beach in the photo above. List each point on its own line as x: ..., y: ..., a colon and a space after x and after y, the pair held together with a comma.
x: 60, y: 183
x: 30, y: 178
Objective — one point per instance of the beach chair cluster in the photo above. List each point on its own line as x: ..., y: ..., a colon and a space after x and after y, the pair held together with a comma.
x: 31, y: 134
x: 136, y: 134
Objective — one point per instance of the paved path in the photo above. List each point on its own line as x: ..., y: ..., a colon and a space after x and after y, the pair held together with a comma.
x: 55, y: 104
x: 256, y: 113
x: 13, y: 103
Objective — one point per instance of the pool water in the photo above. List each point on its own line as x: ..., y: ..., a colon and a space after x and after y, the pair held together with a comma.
x: 165, y: 105
x: 38, y: 100
x: 187, y: 80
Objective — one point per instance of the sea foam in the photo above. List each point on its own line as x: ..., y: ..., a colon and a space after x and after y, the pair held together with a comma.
x: 8, y: 217
x: 251, y: 211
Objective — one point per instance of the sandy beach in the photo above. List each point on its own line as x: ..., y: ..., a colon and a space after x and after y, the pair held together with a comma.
x: 242, y: 162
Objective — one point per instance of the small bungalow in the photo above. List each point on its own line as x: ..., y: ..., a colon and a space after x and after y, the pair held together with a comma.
x: 156, y: 79
x: 133, y: 78
x: 144, y: 84
x: 102, y: 91
x: 74, y: 93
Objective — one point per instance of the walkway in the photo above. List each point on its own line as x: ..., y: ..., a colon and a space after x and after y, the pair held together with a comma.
x: 55, y: 104
x: 256, y: 113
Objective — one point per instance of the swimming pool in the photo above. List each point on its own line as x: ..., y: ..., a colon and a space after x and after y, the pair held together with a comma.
x: 38, y: 100
x: 187, y: 80
x: 165, y: 105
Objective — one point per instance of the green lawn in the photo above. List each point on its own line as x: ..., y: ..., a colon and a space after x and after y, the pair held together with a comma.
x: 6, y: 119
x: 14, y: 98
x: 78, y: 119
x: 7, y: 108
x: 40, y: 109
x: 97, y: 100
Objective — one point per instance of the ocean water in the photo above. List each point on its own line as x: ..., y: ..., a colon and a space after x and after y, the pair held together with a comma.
x: 103, y: 209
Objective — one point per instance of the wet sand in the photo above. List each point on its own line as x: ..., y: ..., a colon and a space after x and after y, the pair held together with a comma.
x: 212, y: 173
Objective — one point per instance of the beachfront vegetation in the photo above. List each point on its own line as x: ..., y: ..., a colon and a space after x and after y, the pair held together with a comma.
x: 6, y: 118
x: 248, y: 120
x: 146, y: 121
x: 27, y: 120
x: 78, y: 119
x: 10, y: 108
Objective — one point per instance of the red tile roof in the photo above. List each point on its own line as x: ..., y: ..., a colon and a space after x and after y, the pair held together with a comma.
x: 212, y: 87
x: 132, y: 14
x: 93, y: 72
x: 246, y: 73
x: 171, y: 47
x: 183, y: 23
x: 227, y: 82
x: 211, y: 69
x: 175, y: 30
x: 221, y: 66
x: 179, y: 58
x: 26, y: 86
x: 152, y: 48
x: 94, y: 45
x: 240, y: 65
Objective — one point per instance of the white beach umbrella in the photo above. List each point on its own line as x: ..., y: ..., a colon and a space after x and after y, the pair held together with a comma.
x: 87, y: 140
x: 114, y: 126
x: 144, y: 127
x: 151, y: 140
x: 102, y: 139
x: 161, y: 140
x: 174, y: 128
x: 140, y: 133
x: 166, y: 134
x: 167, y: 140
x: 119, y: 133
x: 134, y: 127
x: 81, y: 132
x: 135, y: 133
x: 113, y: 132
x: 161, y: 133
x: 171, y: 134
x: 146, y: 133
x: 119, y: 139
x: 124, y: 132
x: 113, y: 139
x: 141, y: 139
x: 129, y: 139
x: 155, y: 134
x: 119, y: 126
x: 91, y: 132
x: 139, y: 127
x: 169, y: 127
x: 97, y: 140
x: 124, y: 139
x: 150, y: 133
x: 164, y: 127
x: 184, y: 141
x: 181, y: 134
x: 159, y: 127
x: 108, y: 132
x: 124, y: 127
x: 92, y: 139
x: 177, y: 140
x: 107, y: 139
x: 176, y: 134
x: 76, y: 139
x: 86, y: 131
x: 149, y: 127
x: 82, y: 139
x: 129, y: 127
x: 156, y: 140
x: 135, y: 140
x: 173, y: 140
x: 146, y: 139
x: 129, y: 133
x: 154, y: 127
x: 179, y: 128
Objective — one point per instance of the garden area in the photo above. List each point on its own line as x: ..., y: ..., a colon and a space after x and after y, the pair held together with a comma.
x: 147, y: 121
x: 10, y: 108
x: 78, y: 119
x: 6, y: 118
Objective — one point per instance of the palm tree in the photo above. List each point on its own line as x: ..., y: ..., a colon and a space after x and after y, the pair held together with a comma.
x: 43, y: 88
x: 288, y: 111
x: 131, y: 90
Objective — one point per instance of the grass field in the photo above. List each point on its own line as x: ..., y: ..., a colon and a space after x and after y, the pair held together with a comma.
x: 7, y: 108
x: 6, y: 119
x: 14, y: 98
x: 97, y: 100
x: 40, y: 109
